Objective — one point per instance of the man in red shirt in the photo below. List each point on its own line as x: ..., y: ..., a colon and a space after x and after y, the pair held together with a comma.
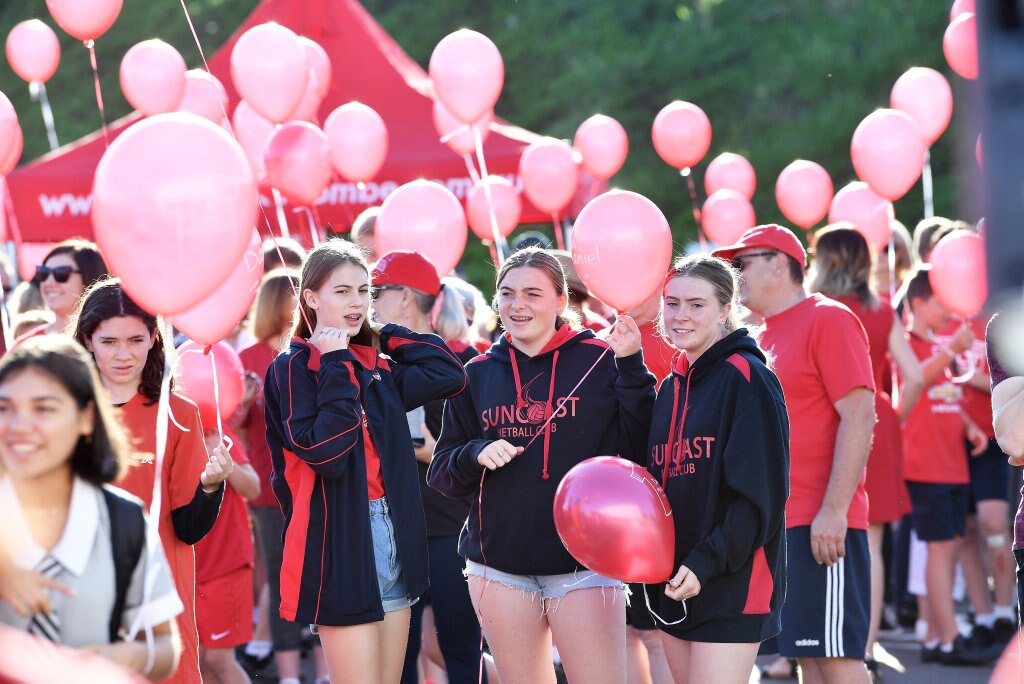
x: 820, y: 354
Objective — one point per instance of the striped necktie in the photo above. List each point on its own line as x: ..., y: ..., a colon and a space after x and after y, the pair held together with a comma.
x: 47, y: 625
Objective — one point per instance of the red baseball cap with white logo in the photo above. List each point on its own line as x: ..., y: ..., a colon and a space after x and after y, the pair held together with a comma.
x: 768, y: 236
x: 406, y: 269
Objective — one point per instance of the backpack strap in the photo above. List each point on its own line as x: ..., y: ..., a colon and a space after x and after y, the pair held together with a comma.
x: 127, y: 544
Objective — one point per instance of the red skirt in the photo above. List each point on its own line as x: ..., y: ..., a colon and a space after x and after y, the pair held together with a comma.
x: 888, y: 500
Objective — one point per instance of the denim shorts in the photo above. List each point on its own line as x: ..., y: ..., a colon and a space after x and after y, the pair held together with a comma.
x: 548, y: 586
x: 393, y: 593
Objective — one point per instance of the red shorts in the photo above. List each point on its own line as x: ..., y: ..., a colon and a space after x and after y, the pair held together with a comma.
x: 224, y: 610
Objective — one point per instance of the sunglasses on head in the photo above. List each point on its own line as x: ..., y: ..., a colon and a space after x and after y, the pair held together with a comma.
x: 60, y: 273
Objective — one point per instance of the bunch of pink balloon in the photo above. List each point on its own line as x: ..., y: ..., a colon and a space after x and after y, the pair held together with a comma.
x: 11, y: 139
x: 622, y: 248
x: 613, y: 517
x: 730, y: 171
x: 960, y: 44
x: 468, y: 74
x: 198, y: 375
x: 252, y: 130
x: 925, y: 95
x: 425, y: 217
x: 888, y: 151
x: 357, y: 141
x: 550, y: 174
x: 870, y: 213
x: 33, y: 51
x: 682, y: 134
x: 804, y: 193
x: 958, y: 275
x: 270, y: 69
x: 204, y: 96
x: 505, y: 202
x: 153, y: 77
x: 726, y: 215
x: 603, y: 146
x: 298, y: 163
x: 86, y: 20
x: 174, y: 206
x: 460, y: 137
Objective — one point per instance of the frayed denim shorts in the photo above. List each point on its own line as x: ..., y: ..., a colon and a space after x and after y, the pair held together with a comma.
x: 393, y: 593
x: 547, y: 586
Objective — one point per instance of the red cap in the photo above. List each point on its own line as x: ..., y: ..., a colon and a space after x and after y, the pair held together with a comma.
x: 769, y: 236
x: 407, y: 269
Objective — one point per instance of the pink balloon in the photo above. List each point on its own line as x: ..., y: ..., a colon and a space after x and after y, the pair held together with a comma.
x: 925, y: 95
x: 960, y: 45
x: 298, y: 161
x: 468, y: 74
x: 804, y: 193
x: 613, y: 518
x: 550, y: 175
x: 505, y: 200
x: 33, y: 51
x: 216, y: 316
x: 425, y: 217
x: 270, y: 70
x: 153, y: 77
x: 961, y: 6
x: 888, y: 152
x: 10, y: 130
x: 681, y: 134
x: 8, y: 163
x: 309, y: 106
x: 445, y: 123
x: 977, y: 151
x: 197, y: 380
x: 358, y: 142
x: 320, y: 63
x: 726, y: 215
x: 622, y: 248
x: 958, y: 274
x: 204, y: 96
x: 30, y: 255
x: 174, y: 203
x: 866, y: 210
x: 252, y: 131
x: 85, y: 19
x: 603, y: 144
x: 730, y: 171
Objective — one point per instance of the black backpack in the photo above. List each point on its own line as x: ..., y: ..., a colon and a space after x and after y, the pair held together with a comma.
x: 127, y: 544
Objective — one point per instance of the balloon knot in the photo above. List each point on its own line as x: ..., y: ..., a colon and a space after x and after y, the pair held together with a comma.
x: 207, y: 350
x: 545, y: 476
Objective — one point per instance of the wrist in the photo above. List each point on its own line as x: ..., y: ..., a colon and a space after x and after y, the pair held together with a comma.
x: 210, y: 490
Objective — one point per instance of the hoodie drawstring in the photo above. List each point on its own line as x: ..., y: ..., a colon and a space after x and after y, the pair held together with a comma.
x: 547, y: 414
x: 673, y: 446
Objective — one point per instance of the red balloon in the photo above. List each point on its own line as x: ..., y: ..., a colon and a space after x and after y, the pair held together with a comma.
x: 204, y: 96
x: 153, y: 77
x: 730, y: 171
x: 603, y: 145
x: 960, y: 45
x: 174, y: 203
x: 216, y: 316
x: 622, y: 248
x: 925, y: 95
x: 726, y: 215
x: 961, y: 6
x: 550, y: 175
x: 681, y: 134
x: 85, y: 19
x: 270, y: 70
x: 358, y: 142
x: 804, y: 192
x: 252, y: 130
x: 13, y: 156
x: 425, y: 217
x: 197, y: 380
x: 320, y: 63
x: 613, y: 517
x: 866, y: 210
x: 888, y: 152
x: 958, y: 274
x: 468, y: 74
x: 33, y: 51
x: 505, y: 200
x: 464, y: 142
x: 298, y: 161
x: 10, y: 130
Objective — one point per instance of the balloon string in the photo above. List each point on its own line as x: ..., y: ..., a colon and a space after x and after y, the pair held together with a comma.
x: 499, y: 241
x: 566, y: 398
x: 37, y: 90
x: 895, y: 396
x: 456, y: 133
x: 650, y: 610
x: 91, y: 44
x: 694, y: 203
x: 282, y: 220
x: 494, y: 254
x: 926, y: 185
x: 314, y: 234
x: 559, y: 237
x: 473, y: 175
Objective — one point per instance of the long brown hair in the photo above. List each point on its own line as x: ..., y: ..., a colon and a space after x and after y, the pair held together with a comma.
x: 842, y: 264
x: 320, y: 263
x: 277, y: 289
x: 544, y: 261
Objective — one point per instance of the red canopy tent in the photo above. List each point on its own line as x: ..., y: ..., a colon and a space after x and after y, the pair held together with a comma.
x: 51, y: 196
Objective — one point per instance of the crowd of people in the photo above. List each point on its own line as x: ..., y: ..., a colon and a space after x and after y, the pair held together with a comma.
x: 820, y: 424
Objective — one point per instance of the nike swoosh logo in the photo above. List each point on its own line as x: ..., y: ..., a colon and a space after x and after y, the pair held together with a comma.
x: 215, y: 637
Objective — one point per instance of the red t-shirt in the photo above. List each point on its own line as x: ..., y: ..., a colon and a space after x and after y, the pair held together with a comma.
x: 933, y: 436
x: 976, y: 403
x: 257, y: 358
x: 657, y: 352
x: 877, y: 324
x: 374, y: 477
x: 228, y: 546
x: 819, y: 351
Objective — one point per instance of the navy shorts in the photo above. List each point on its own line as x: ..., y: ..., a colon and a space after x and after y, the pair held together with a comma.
x: 990, y: 476
x: 827, y: 609
x: 939, y: 510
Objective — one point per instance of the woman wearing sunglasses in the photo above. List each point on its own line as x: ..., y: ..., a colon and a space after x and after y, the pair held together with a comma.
x: 66, y: 272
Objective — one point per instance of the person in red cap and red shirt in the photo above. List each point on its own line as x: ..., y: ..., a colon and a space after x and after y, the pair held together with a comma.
x: 821, y: 357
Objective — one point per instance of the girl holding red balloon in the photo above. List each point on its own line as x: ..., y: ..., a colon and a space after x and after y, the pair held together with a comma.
x: 719, y: 446
x: 127, y: 344
x: 355, y: 541
x: 544, y: 398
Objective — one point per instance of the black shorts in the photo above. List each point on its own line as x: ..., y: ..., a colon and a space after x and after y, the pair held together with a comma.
x: 827, y: 609
x: 990, y: 476
x: 939, y: 510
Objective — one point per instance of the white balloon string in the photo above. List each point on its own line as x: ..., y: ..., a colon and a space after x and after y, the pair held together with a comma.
x: 282, y: 220
x: 473, y: 175
x: 926, y: 185
x: 314, y: 232
x: 456, y: 133
x: 499, y: 241
x: 647, y: 600
x: 37, y: 90
x: 91, y: 44
x: 565, y: 399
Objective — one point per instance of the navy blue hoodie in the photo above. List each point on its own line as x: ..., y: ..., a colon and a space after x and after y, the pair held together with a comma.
x: 510, y: 397
x: 724, y: 423
x: 314, y: 407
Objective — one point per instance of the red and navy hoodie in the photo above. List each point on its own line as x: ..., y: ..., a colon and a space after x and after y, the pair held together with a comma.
x: 314, y: 407
x: 719, y: 446
x: 510, y: 397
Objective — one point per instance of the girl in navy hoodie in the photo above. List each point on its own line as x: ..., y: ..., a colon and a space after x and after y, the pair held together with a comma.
x: 720, y: 447
x: 355, y: 546
x: 498, y: 446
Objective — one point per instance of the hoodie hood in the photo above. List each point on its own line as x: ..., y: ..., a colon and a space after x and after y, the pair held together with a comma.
x: 735, y: 342
x: 564, y: 337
